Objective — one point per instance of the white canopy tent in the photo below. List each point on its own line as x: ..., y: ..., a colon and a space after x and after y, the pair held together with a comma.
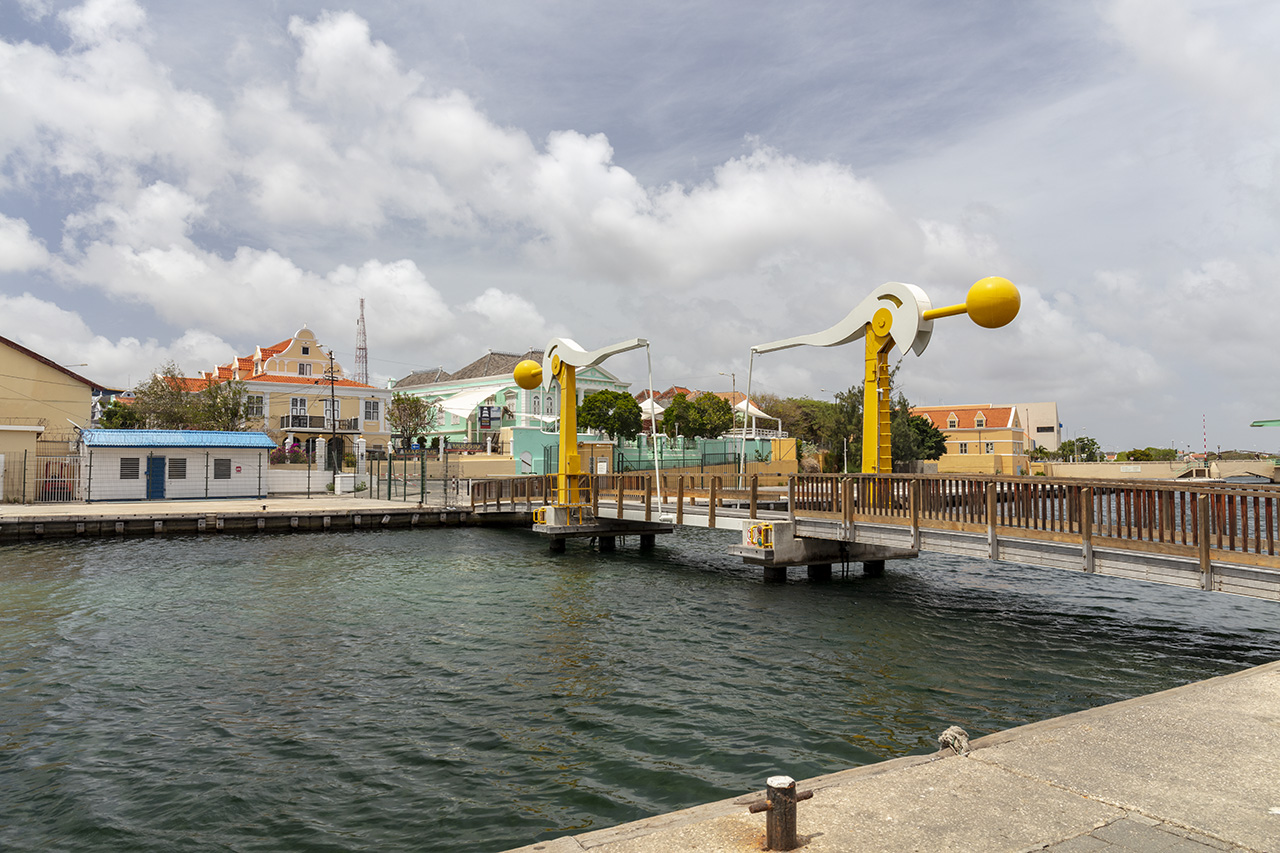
x: 464, y: 403
x: 746, y: 408
x: 651, y: 409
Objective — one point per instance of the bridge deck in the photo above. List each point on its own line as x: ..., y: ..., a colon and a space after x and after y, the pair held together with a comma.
x: 1205, y: 536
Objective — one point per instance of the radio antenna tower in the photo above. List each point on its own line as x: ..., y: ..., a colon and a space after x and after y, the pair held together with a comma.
x: 362, y: 350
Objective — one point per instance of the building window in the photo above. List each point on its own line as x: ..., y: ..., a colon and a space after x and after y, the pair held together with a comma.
x: 979, y: 422
x: 222, y: 469
x: 177, y: 469
x: 306, y: 350
x: 297, y: 405
x: 1044, y: 429
x: 537, y: 404
x: 991, y: 447
x: 952, y: 423
x: 253, y: 406
x: 304, y: 369
x: 129, y: 468
x: 371, y: 410
x: 964, y: 447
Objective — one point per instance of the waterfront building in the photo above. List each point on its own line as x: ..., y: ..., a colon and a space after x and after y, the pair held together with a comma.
x: 482, y: 407
x: 296, y: 393
x: 1040, y: 421
x: 981, y: 438
x: 155, y: 464
x: 41, y: 405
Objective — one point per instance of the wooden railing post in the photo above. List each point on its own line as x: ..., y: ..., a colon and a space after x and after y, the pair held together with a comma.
x: 915, y: 514
x: 648, y: 497
x: 1086, y: 527
x: 755, y: 494
x: 680, y: 499
x: 711, y: 502
x: 619, y: 480
x: 791, y: 496
x: 993, y: 546
x: 1202, y: 540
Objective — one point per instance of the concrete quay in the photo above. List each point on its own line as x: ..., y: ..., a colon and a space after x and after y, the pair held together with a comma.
x: 35, y: 522
x: 1189, y: 770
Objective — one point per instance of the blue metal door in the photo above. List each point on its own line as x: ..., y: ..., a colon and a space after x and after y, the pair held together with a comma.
x: 155, y: 478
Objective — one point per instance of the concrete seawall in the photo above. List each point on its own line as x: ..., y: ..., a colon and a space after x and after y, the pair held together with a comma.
x: 1189, y: 770
x: 266, y: 515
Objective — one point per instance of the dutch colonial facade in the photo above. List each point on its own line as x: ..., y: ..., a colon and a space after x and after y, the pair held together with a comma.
x: 981, y: 438
x: 291, y: 393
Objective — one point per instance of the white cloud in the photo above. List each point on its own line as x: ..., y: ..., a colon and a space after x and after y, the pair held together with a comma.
x: 1169, y: 37
x: 64, y: 337
x: 277, y: 176
x: 19, y: 251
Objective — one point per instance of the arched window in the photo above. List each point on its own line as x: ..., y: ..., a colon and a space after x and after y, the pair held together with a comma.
x: 537, y: 404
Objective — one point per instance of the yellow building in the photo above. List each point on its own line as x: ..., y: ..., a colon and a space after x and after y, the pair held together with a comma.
x: 40, y: 401
x: 981, y: 438
x: 291, y: 394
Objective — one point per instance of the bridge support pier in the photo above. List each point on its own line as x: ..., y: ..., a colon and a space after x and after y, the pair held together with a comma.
x: 608, y: 543
x: 821, y: 572
x: 557, y: 545
x: 648, y: 541
x: 873, y: 568
x: 775, y: 574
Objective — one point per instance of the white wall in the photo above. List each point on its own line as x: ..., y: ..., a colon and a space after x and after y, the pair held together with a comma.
x: 246, y: 467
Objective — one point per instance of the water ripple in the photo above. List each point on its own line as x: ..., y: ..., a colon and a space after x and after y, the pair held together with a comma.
x: 464, y: 689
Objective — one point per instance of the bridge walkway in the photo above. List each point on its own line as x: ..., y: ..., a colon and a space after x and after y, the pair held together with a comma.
x: 1210, y: 536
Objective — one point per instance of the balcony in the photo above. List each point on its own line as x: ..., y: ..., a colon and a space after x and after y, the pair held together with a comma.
x: 311, y: 423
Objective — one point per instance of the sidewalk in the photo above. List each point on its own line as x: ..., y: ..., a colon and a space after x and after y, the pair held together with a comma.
x: 280, y: 504
x: 1190, y: 770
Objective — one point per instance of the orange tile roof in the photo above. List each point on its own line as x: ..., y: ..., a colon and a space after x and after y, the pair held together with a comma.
x: 305, y: 380
x: 272, y: 350
x: 996, y: 417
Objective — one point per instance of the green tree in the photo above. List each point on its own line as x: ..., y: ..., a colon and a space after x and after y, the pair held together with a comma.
x: 717, y: 415
x: 707, y: 416
x: 930, y: 442
x: 163, y: 401
x: 614, y: 412
x: 1082, y: 449
x: 221, y: 405
x: 116, y: 415
x: 411, y: 416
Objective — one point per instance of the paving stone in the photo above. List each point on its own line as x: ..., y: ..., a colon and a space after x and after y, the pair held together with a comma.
x: 1080, y: 844
x: 1130, y: 836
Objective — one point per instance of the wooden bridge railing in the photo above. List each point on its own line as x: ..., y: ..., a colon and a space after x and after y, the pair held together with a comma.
x: 1195, y: 517
x: 1216, y: 516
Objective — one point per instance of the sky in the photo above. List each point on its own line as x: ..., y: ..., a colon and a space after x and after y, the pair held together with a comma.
x: 185, y: 181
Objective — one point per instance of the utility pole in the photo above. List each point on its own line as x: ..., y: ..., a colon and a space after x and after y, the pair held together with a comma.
x: 333, y: 422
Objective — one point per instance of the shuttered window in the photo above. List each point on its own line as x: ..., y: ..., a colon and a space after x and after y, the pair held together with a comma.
x: 129, y: 468
x: 222, y: 469
x: 177, y: 469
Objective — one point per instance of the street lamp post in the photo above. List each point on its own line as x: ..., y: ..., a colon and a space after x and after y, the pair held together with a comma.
x: 733, y: 381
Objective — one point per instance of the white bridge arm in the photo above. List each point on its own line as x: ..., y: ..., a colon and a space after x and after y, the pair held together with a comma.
x: 905, y: 302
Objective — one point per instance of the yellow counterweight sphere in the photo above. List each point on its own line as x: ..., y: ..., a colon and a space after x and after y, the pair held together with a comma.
x: 528, y: 374
x: 993, y: 302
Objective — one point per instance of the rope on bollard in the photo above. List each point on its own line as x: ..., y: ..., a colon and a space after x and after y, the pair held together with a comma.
x: 955, y: 739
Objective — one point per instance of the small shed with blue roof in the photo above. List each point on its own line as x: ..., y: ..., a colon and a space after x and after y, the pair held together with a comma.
x: 159, y: 464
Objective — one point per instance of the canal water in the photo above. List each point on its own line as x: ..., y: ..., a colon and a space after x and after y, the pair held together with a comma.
x: 459, y: 689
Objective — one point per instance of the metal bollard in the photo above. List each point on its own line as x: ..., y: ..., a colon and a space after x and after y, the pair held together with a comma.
x: 780, y: 803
